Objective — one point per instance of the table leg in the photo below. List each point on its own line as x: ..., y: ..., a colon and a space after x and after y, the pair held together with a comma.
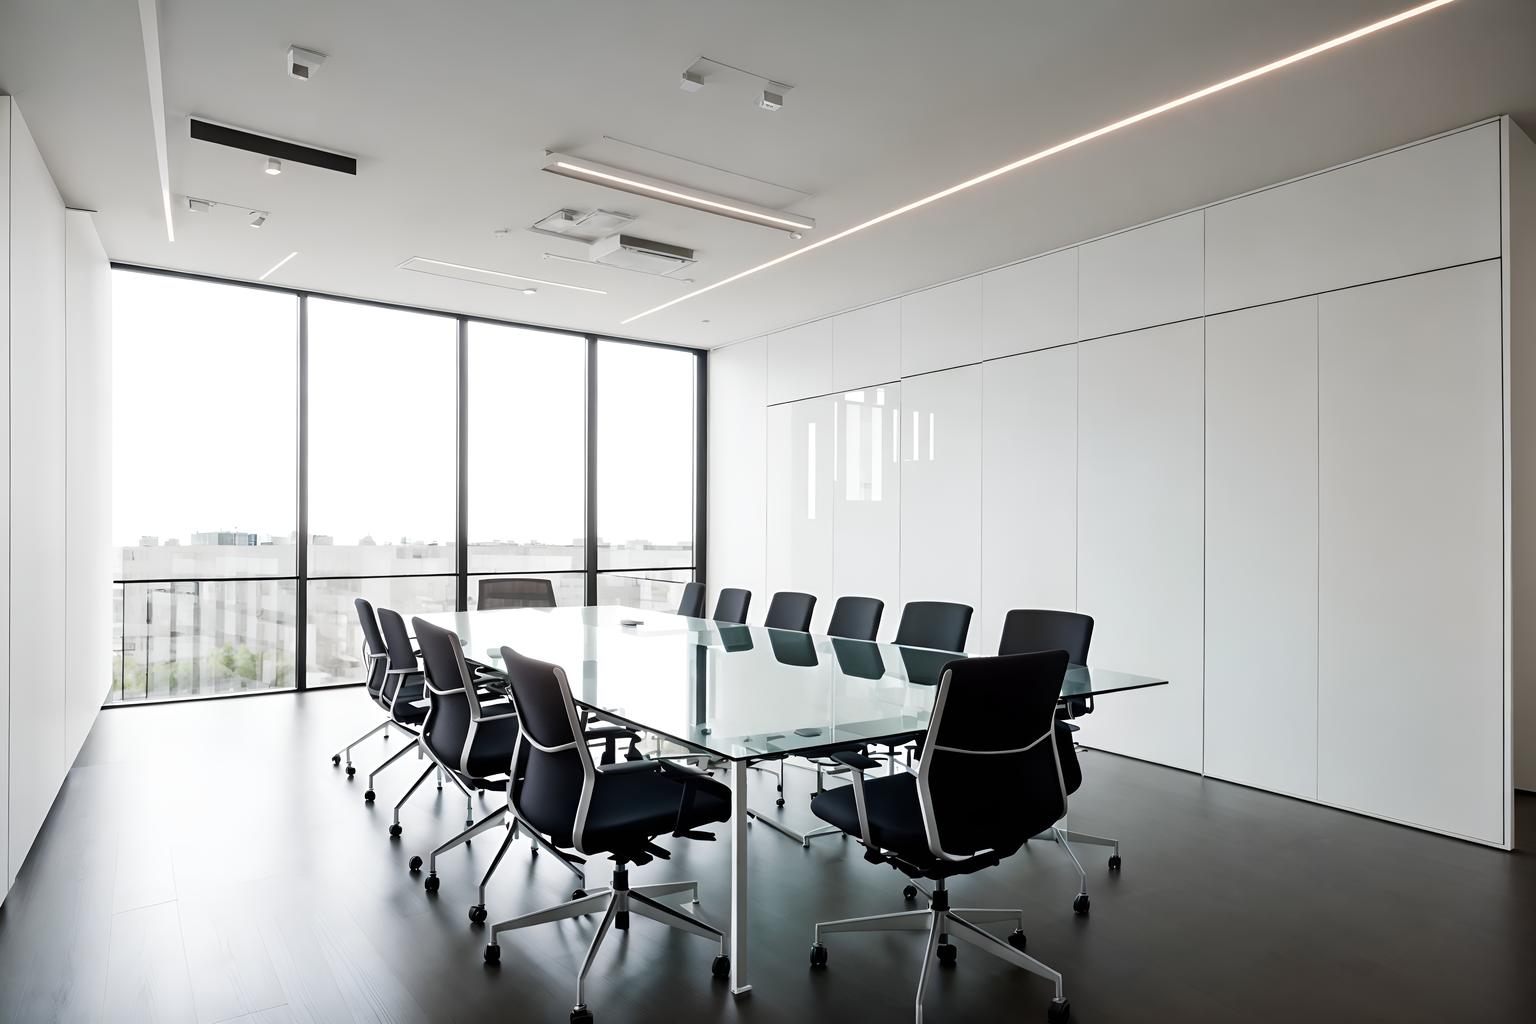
x: 739, y: 984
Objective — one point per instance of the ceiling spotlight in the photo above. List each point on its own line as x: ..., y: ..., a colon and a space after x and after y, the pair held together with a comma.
x: 198, y: 205
x: 274, y: 165
x: 796, y: 235
x: 691, y: 81
x: 771, y: 100
x: 530, y: 291
x: 258, y: 218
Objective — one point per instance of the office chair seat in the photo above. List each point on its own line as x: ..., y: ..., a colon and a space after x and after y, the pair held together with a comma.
x: 636, y: 800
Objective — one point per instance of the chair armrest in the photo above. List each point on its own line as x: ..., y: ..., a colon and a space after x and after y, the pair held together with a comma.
x: 603, y: 732
x: 854, y: 759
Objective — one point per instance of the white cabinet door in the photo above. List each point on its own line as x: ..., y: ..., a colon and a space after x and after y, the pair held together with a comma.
x: 800, y: 362
x: 941, y: 491
x: 738, y: 448
x: 866, y: 503
x: 5, y: 493
x: 1261, y: 547
x: 1411, y: 603
x: 1028, y: 486
x: 866, y: 346
x: 800, y: 504
x: 1140, y: 542
x: 1432, y: 205
x: 941, y: 327
x: 1030, y: 305
x: 1146, y: 276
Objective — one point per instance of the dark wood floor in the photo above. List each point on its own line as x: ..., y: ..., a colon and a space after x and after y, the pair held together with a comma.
x: 206, y: 863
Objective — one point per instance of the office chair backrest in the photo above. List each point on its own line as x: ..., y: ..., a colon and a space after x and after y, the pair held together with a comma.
x: 940, y: 625
x: 1038, y: 629
x: 554, y: 776
x: 731, y: 605
x: 990, y: 775
x: 449, y: 729
x: 790, y: 610
x: 515, y: 592
x: 692, y: 604
x: 856, y: 618
x: 402, y: 659
x: 373, y: 646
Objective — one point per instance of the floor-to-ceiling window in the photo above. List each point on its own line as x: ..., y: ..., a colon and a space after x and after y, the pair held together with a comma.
x: 204, y: 475
x: 278, y: 455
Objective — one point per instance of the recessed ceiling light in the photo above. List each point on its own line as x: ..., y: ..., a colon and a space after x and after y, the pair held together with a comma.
x: 666, y: 191
x: 278, y: 265
x: 198, y: 205
x: 274, y: 165
x: 530, y: 291
x: 1125, y: 122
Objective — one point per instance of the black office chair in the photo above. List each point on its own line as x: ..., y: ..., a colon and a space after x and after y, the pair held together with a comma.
x: 790, y: 610
x: 515, y: 592
x: 980, y: 794
x: 1034, y: 629
x: 373, y: 679
x: 692, y: 604
x: 731, y: 605
x: 856, y: 618
x: 617, y: 810
x: 402, y: 694
x: 940, y: 625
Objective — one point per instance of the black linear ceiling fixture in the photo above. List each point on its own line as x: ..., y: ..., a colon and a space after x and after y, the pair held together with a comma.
x: 282, y: 149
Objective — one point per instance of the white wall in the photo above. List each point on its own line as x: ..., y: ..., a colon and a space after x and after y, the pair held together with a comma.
x: 1151, y: 435
x: 57, y: 573
x: 1520, y: 314
x: 738, y: 446
x: 5, y: 492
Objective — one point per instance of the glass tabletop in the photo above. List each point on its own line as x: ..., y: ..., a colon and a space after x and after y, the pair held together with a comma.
x: 738, y: 692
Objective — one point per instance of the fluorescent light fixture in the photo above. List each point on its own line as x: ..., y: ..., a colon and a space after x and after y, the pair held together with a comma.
x: 1126, y: 122
x: 274, y: 165
x: 640, y: 185
x: 444, y: 269
x: 278, y: 265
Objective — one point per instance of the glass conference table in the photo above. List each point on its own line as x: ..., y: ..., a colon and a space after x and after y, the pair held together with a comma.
x: 735, y: 693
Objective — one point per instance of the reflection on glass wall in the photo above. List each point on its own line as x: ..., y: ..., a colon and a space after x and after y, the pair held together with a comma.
x: 334, y: 642
x: 198, y: 638
x: 527, y: 451
x: 645, y: 450
x: 657, y: 591
x: 382, y: 440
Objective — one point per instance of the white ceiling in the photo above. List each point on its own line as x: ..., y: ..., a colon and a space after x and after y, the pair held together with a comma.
x: 449, y: 107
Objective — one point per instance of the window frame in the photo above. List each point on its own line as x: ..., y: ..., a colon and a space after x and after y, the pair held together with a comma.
x: 590, y: 571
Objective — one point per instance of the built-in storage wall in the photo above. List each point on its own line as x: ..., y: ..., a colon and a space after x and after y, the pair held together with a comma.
x: 55, y: 633
x: 1266, y: 444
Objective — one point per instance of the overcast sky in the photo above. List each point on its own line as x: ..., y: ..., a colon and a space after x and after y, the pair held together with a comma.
x: 205, y: 421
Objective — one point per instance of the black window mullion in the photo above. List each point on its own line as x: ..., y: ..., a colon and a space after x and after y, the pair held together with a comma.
x: 461, y: 411
x: 591, y: 458
x: 301, y: 538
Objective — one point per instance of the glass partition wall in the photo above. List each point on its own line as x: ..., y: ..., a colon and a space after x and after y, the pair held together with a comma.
x: 278, y: 454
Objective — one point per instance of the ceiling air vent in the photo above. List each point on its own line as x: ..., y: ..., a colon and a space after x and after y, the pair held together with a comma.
x: 642, y: 254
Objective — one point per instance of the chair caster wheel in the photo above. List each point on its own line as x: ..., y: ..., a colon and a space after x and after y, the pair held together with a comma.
x: 395, y: 830
x: 1114, y: 863
x: 368, y: 797
x: 578, y: 894
x: 581, y: 1015
x: 818, y: 955
x: 947, y: 952
x: 335, y: 759
x: 351, y: 770
x: 477, y: 914
x: 1061, y: 1012
x: 493, y: 954
x: 1080, y: 903
x: 414, y: 865
x: 431, y: 884
x: 721, y: 968
x: 909, y: 893
x: 1017, y: 940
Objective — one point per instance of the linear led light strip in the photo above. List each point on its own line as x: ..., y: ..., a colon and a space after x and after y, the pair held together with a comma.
x: 278, y: 265
x: 574, y: 167
x: 510, y: 277
x: 1161, y: 108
